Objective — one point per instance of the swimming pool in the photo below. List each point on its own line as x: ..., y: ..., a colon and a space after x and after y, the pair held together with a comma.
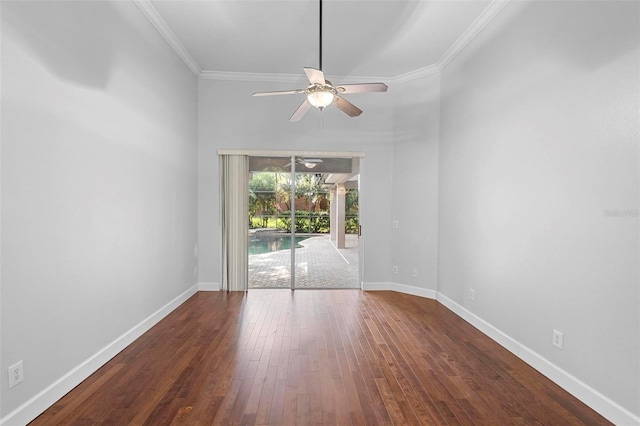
x: 270, y: 243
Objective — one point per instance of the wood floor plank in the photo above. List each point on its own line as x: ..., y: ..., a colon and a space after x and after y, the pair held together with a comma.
x: 316, y: 357
x: 396, y: 353
x: 266, y: 398
x: 316, y: 408
x: 368, y: 372
x: 69, y: 411
x: 303, y: 415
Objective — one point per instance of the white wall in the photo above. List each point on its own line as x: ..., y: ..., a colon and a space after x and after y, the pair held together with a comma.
x: 99, y: 216
x: 230, y: 118
x: 539, y: 143
x: 414, y: 197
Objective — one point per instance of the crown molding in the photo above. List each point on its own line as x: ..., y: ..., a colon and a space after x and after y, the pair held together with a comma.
x: 156, y: 20
x: 487, y: 15
x: 346, y: 79
x: 416, y: 74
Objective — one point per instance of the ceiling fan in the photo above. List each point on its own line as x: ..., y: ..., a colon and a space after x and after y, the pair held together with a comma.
x: 309, y: 163
x: 321, y: 93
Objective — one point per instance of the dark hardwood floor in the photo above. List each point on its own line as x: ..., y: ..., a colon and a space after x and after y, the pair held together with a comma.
x: 316, y: 357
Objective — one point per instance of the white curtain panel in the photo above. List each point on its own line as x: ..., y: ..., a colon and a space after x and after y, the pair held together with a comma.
x: 235, y: 222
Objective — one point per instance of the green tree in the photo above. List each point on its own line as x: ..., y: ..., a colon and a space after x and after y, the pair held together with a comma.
x: 262, y: 196
x: 351, y: 202
x: 351, y: 211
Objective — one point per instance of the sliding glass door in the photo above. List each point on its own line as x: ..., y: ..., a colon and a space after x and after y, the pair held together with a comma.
x: 270, y: 257
x: 303, y: 217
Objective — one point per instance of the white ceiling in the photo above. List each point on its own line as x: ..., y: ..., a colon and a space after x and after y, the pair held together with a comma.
x: 364, y: 38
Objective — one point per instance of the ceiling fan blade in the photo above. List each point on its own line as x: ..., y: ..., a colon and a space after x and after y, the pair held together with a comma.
x: 315, y: 76
x: 301, y: 111
x: 362, y: 88
x: 281, y: 92
x: 347, y: 107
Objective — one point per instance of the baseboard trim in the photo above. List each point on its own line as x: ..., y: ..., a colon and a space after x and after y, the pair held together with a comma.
x: 400, y: 288
x: 501, y: 338
x: 47, y: 397
x: 591, y: 397
x: 208, y: 286
x: 377, y: 286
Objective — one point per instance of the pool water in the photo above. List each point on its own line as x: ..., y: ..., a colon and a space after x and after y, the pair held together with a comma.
x: 268, y: 244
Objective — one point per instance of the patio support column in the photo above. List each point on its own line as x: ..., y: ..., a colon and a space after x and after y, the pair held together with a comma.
x: 332, y: 213
x: 340, y: 212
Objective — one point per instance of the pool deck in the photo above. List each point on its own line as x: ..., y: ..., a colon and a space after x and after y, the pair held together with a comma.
x: 319, y: 264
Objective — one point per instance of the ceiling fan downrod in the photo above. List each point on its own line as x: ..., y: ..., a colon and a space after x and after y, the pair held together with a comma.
x: 320, y: 38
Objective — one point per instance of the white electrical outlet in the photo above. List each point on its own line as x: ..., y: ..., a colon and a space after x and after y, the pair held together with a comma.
x: 16, y: 374
x: 414, y: 272
x: 395, y: 269
x: 395, y: 224
x: 558, y: 339
x: 472, y: 294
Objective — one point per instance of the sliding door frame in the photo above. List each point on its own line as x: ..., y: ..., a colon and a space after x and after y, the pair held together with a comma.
x: 322, y: 154
x: 292, y: 228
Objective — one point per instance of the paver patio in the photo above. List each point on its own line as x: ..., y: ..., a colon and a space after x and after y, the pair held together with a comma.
x: 319, y: 264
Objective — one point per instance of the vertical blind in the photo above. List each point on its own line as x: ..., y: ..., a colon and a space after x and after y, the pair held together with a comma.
x: 235, y: 227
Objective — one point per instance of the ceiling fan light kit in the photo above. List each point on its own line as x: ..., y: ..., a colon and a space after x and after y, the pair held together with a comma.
x: 321, y: 93
x: 321, y: 96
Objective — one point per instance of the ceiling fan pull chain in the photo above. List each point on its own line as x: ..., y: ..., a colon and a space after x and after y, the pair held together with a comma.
x: 320, y: 119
